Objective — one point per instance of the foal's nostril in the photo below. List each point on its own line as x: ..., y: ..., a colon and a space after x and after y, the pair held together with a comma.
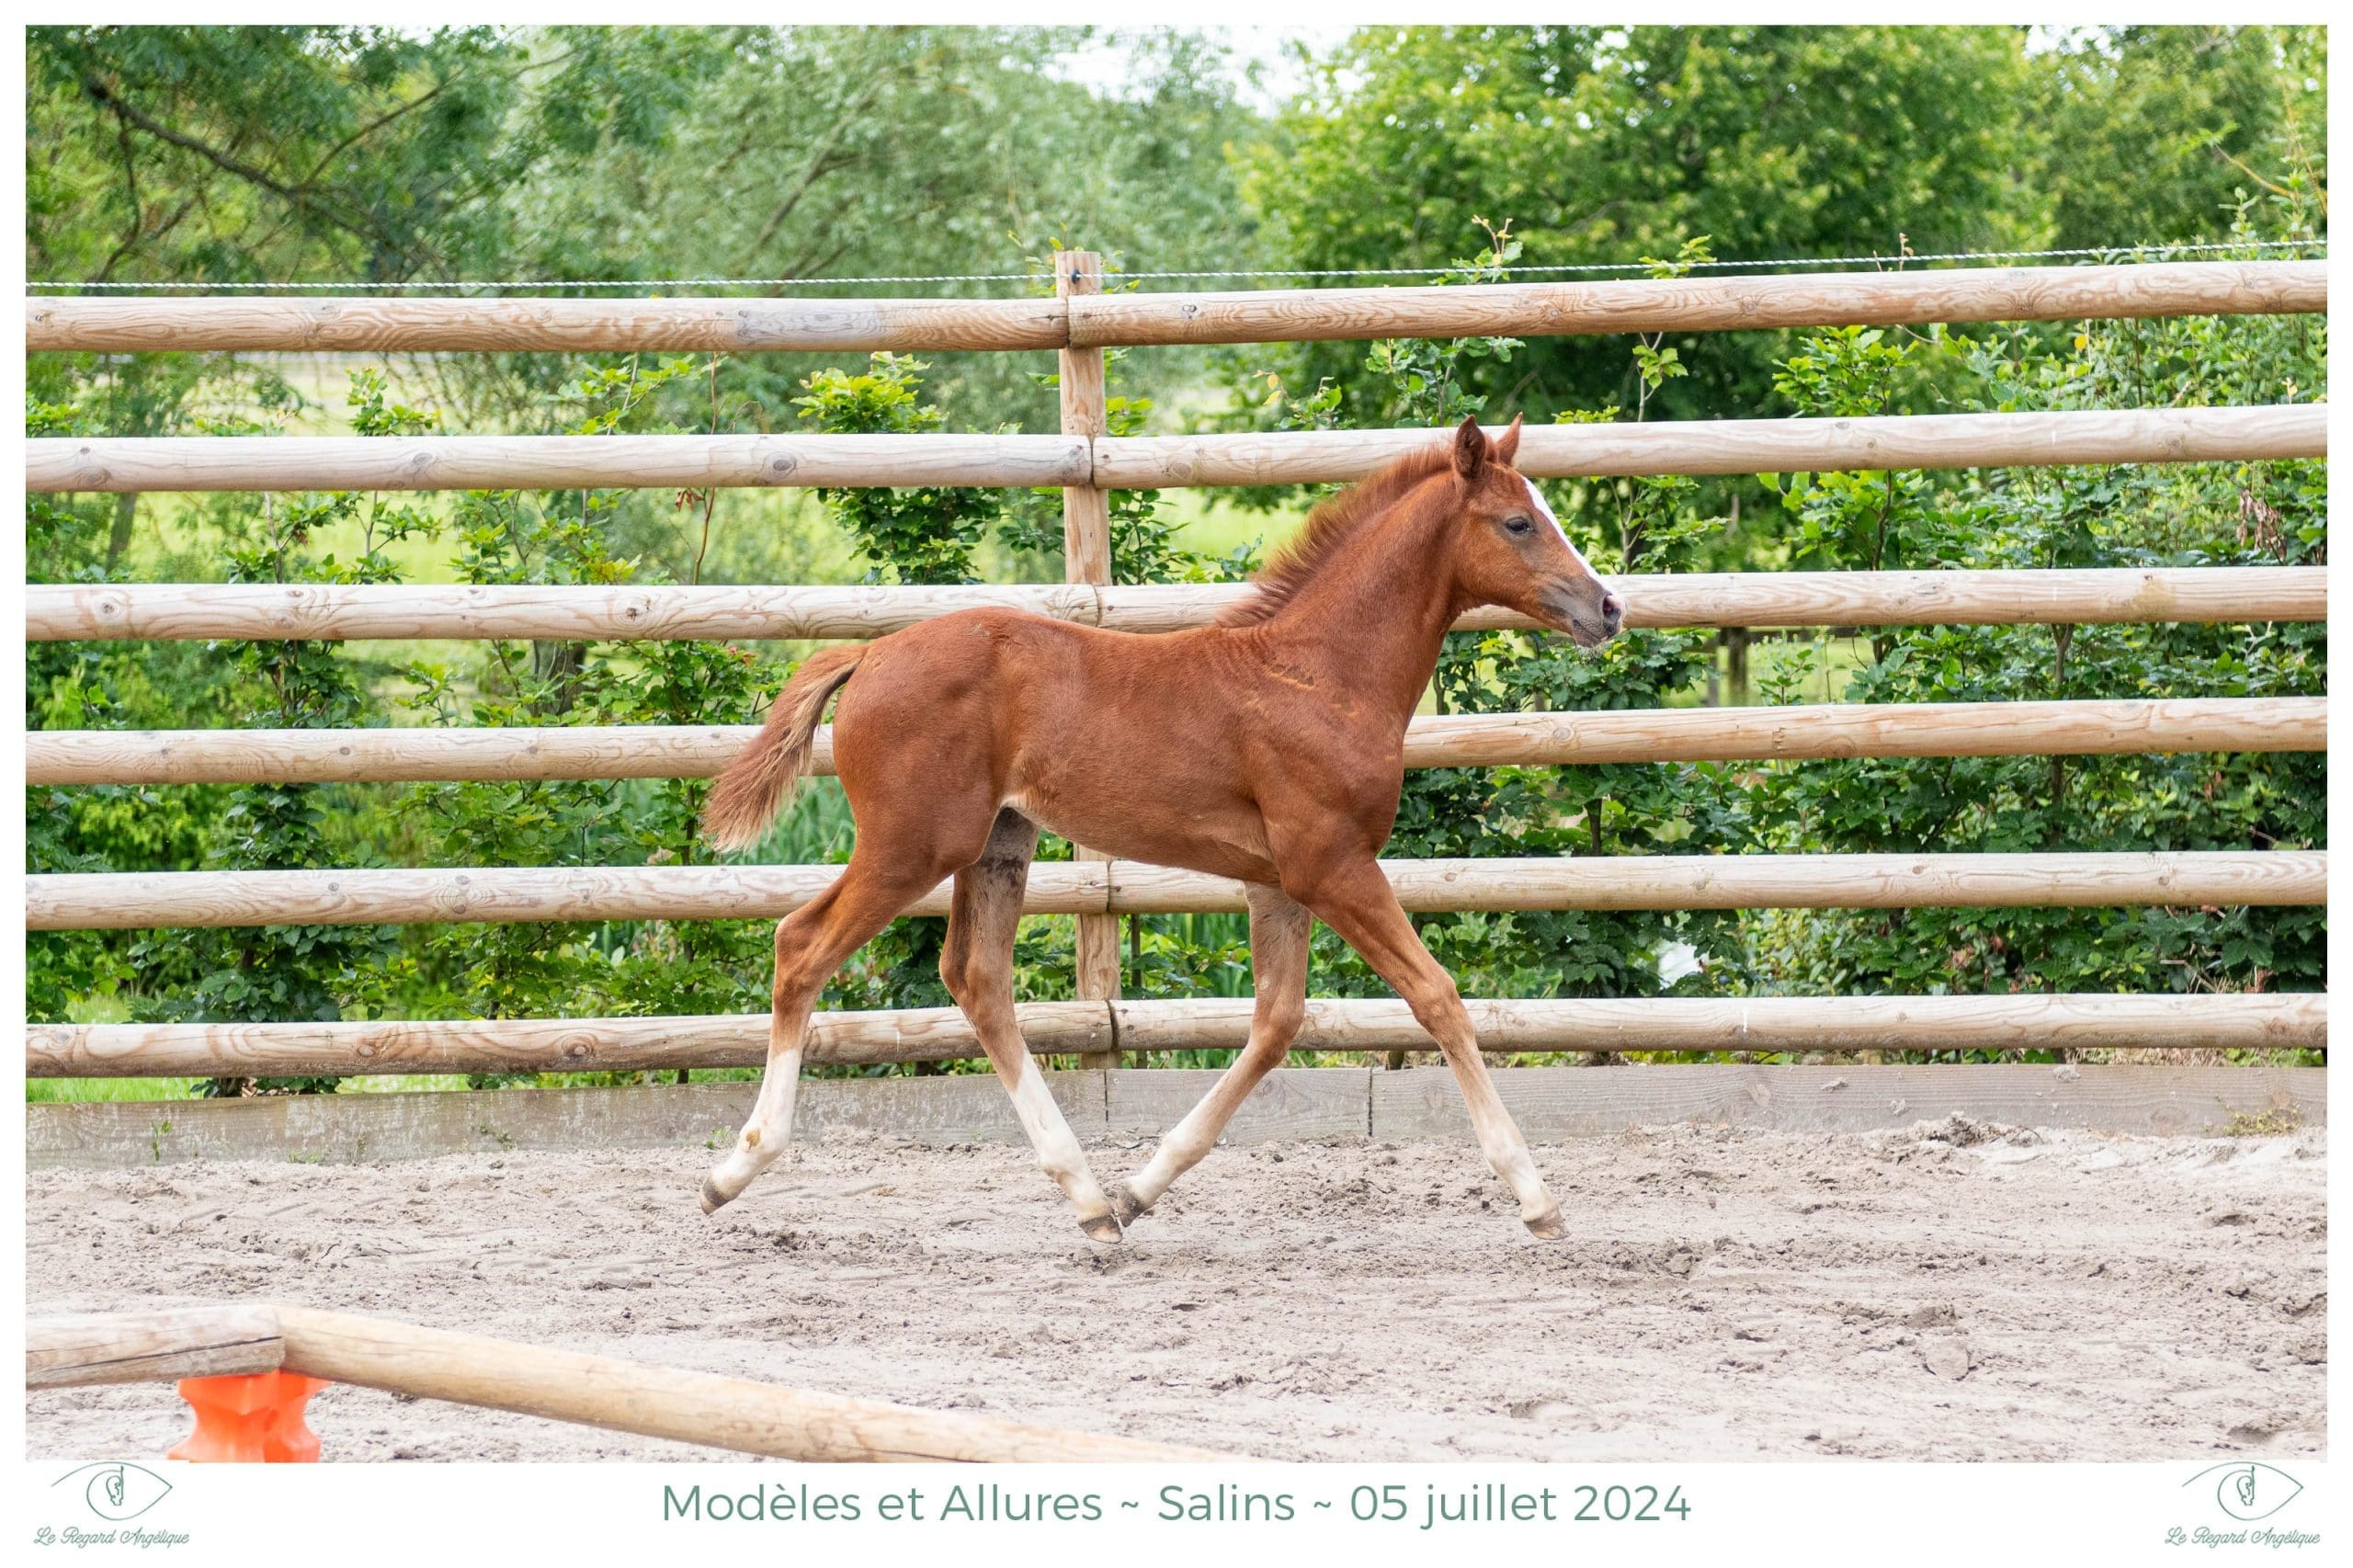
x: 1613, y: 608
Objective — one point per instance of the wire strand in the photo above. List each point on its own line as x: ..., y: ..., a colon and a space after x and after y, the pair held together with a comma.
x: 1783, y: 261
x: 2196, y: 248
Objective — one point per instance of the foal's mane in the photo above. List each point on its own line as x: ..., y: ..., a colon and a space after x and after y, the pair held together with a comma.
x: 1331, y: 525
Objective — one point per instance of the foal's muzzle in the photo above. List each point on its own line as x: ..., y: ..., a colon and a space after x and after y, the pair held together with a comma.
x: 1588, y: 623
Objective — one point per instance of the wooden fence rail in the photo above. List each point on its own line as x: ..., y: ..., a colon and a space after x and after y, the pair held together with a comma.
x: 1469, y: 740
x: 1743, y: 446
x: 733, y: 326
x: 2244, y: 1022
x: 192, y: 611
x: 1704, y: 304
x: 139, y: 900
x: 112, y: 465
x: 149, y: 463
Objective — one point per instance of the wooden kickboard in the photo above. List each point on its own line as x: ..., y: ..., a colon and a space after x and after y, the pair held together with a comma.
x: 1133, y: 1106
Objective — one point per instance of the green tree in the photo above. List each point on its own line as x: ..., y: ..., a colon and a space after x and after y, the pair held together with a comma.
x: 1606, y: 144
x: 2197, y: 114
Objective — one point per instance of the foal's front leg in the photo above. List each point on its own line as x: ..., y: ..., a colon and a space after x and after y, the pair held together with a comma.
x: 977, y: 964
x: 1279, y: 929
x: 1356, y: 899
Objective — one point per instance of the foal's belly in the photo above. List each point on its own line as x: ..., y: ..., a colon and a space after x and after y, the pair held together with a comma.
x: 1221, y: 840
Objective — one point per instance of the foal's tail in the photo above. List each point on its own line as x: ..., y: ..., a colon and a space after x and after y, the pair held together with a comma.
x: 760, y: 782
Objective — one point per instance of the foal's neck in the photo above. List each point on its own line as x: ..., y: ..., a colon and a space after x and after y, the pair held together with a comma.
x: 1374, y: 616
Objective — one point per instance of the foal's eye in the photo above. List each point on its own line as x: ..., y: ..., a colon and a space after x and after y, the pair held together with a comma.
x: 1517, y: 525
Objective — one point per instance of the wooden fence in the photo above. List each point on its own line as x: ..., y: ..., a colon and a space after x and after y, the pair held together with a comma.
x: 1087, y: 464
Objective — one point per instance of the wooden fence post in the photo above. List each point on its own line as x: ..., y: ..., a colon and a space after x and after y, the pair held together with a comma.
x: 1086, y: 558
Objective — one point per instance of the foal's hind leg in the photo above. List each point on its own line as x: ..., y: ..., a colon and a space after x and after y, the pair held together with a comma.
x: 1354, y: 898
x: 1279, y: 929
x: 977, y: 964
x: 810, y: 944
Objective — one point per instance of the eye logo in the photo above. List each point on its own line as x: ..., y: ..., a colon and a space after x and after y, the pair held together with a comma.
x: 2249, y: 1492
x: 117, y: 1490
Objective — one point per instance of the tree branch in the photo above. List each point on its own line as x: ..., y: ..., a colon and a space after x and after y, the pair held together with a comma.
x: 340, y: 148
x: 130, y: 187
x: 252, y: 174
x: 820, y: 163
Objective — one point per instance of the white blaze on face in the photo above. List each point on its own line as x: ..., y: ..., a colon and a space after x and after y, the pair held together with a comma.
x: 1545, y: 512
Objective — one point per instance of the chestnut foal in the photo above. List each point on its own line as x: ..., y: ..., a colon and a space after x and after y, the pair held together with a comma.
x: 1267, y: 748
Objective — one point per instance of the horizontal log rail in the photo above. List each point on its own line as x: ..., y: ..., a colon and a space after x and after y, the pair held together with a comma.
x: 203, y: 463
x: 64, y: 324
x: 1742, y: 446
x: 149, y: 463
x: 143, y: 900
x: 1705, y: 305
x: 2278, y: 1020
x: 1471, y: 740
x: 195, y: 611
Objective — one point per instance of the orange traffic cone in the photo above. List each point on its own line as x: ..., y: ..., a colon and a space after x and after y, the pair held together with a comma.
x: 254, y: 1418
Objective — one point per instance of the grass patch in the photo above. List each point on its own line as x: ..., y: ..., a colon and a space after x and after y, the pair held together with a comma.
x: 2276, y: 1122
x: 87, y: 1091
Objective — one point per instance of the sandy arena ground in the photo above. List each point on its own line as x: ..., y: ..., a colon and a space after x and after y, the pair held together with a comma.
x: 1952, y: 1292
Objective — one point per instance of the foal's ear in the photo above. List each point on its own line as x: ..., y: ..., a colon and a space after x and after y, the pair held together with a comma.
x: 1470, y: 447
x: 1508, y: 444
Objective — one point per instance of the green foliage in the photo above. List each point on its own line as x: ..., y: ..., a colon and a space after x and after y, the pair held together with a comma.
x: 923, y: 535
x: 2144, y: 134
x: 1610, y: 142
x: 2169, y: 515
x: 1604, y: 143
x: 1426, y: 376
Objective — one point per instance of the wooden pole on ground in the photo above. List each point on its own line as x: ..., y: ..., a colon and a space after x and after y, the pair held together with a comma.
x: 160, y: 1344
x: 157, y: 1345
x: 665, y: 1402
x: 1086, y: 558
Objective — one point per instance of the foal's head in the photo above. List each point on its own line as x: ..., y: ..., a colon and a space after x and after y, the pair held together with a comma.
x: 1510, y: 550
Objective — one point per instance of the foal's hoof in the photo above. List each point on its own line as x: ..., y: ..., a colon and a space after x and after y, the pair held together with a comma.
x: 1549, y: 1226
x: 1103, y: 1228
x: 1126, y: 1204
x: 713, y: 1201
